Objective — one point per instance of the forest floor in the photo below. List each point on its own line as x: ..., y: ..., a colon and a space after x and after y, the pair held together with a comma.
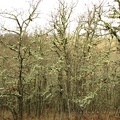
x: 6, y: 115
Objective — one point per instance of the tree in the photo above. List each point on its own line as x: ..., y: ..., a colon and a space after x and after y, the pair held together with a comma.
x: 114, y: 14
x: 61, y: 41
x: 20, y: 49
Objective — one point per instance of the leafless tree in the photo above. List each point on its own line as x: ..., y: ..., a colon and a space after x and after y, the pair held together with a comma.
x: 22, y: 21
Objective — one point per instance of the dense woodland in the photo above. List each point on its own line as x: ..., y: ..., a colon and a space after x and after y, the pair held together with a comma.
x: 55, y: 74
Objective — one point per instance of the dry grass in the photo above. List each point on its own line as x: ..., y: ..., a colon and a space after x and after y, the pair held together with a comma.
x: 6, y: 115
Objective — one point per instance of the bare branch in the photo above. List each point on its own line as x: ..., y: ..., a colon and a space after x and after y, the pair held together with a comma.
x: 9, y: 30
x: 32, y: 15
